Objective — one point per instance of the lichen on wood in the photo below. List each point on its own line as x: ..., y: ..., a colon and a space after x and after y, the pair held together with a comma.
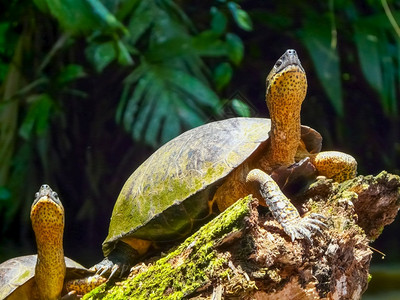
x: 245, y: 253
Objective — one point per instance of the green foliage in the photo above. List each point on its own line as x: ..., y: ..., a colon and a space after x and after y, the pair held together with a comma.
x: 86, y: 84
x: 378, y: 48
x: 318, y: 41
x: 148, y: 54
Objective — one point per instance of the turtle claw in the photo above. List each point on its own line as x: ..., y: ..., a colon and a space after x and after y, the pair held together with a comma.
x: 115, y: 270
x: 304, y: 228
x: 107, y: 268
x: 111, y: 268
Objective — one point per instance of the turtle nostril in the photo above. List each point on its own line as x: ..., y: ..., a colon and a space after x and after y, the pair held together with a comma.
x: 291, y: 51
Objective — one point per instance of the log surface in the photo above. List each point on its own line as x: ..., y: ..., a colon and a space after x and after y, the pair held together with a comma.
x: 243, y: 253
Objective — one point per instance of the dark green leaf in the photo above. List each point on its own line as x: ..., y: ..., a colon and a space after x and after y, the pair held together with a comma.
x: 241, y: 108
x: 389, y: 99
x: 37, y: 117
x: 208, y: 43
x: 367, y: 42
x: 171, y: 126
x: 190, y: 116
x: 42, y: 5
x: 192, y: 86
x: 124, y: 57
x: 158, y: 92
x: 70, y: 73
x: 44, y: 113
x: 222, y: 75
x: 240, y: 16
x: 5, y: 193
x: 134, y: 103
x: 141, y: 20
x: 317, y: 39
x: 146, y: 109
x: 218, y: 21
x: 160, y: 111
x: 79, y: 16
x: 101, y: 55
x: 235, y: 48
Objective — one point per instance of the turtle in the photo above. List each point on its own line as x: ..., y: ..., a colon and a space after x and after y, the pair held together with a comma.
x: 210, y: 167
x: 42, y: 276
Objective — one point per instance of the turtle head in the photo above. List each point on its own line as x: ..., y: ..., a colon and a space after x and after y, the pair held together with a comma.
x: 47, y: 213
x: 286, y: 84
x: 47, y: 216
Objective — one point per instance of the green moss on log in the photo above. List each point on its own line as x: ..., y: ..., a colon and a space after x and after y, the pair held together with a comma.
x: 185, y: 269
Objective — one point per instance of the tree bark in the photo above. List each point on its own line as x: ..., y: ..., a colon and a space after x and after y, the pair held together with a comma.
x: 244, y: 253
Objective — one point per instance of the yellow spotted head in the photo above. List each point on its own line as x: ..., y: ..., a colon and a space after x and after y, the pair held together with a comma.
x: 286, y: 85
x: 47, y: 213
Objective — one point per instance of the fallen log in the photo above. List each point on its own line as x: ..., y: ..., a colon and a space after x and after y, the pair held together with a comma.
x: 243, y: 253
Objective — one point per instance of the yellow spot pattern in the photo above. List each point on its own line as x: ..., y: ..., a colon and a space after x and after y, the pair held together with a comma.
x: 285, y: 94
x: 48, y: 223
x: 335, y: 165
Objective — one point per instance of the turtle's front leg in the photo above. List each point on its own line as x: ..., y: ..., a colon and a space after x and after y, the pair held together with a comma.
x: 283, y: 210
x: 336, y: 165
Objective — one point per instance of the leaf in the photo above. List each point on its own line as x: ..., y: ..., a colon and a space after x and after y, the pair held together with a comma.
x: 70, y: 73
x: 208, y: 43
x: 141, y: 20
x: 162, y: 93
x: 81, y: 16
x: 388, y: 95
x: 317, y: 39
x: 222, y: 75
x: 193, y: 87
x: 5, y: 193
x: 160, y: 111
x: 37, y: 117
x: 171, y: 126
x: 124, y: 57
x: 241, y: 108
x: 42, y: 5
x: 218, y: 21
x: 240, y: 16
x: 367, y: 42
x: 134, y: 103
x: 235, y: 48
x: 377, y: 58
x: 101, y: 55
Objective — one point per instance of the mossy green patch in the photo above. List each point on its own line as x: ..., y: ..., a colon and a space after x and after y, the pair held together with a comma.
x: 191, y: 264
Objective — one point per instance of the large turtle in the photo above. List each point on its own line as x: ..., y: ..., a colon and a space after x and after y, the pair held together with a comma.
x: 42, y: 276
x: 221, y: 162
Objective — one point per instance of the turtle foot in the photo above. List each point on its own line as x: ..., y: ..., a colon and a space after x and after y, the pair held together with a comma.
x: 304, y: 228
x: 111, y: 268
x: 118, y: 262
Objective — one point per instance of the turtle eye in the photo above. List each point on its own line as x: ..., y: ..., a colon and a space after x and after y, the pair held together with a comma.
x: 37, y: 195
x: 55, y: 195
x: 278, y: 63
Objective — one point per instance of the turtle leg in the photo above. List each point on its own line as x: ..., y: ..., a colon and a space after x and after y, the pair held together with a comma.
x: 283, y: 210
x: 335, y: 165
x: 126, y: 253
x: 82, y: 286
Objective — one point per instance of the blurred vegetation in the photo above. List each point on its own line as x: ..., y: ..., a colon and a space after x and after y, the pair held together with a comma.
x: 90, y: 88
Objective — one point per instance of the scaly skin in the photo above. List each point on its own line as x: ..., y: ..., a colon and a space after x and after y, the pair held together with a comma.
x: 286, y: 90
x: 47, y: 216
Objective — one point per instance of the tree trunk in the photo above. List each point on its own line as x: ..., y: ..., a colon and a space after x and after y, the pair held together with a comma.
x: 243, y: 253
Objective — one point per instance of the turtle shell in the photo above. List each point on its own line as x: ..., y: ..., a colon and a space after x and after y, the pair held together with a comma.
x: 17, y: 274
x: 165, y: 195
